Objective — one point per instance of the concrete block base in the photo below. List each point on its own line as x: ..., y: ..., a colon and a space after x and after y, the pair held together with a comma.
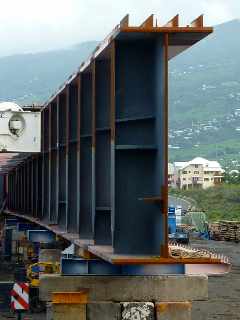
x: 128, y: 288
x: 103, y: 311
x: 147, y: 297
x: 138, y: 310
x: 69, y: 311
x: 122, y: 311
x: 49, y: 311
x: 173, y: 311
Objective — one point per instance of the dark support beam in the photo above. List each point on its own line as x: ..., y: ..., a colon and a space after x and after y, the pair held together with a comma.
x: 57, y: 172
x: 164, y: 250
x: 36, y: 183
x: 46, y: 179
x: 24, y: 188
x: 15, y: 187
x: 27, y: 194
x: 73, y: 170
x: 79, y: 94
x: 49, y: 159
x: 33, y: 189
x: 67, y: 153
x: 113, y: 130
x: 62, y: 160
x: 53, y: 166
x: 93, y: 101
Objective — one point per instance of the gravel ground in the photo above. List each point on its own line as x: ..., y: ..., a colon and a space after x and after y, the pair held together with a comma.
x: 224, y: 291
x: 6, y: 316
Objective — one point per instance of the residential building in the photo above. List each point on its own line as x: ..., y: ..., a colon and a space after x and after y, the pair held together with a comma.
x: 170, y: 175
x: 198, y: 173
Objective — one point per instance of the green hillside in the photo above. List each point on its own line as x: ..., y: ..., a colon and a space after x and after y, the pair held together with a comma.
x: 221, y: 202
x: 33, y: 78
x: 205, y: 98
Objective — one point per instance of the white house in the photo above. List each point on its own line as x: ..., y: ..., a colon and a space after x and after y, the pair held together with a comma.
x: 170, y: 175
x: 198, y: 173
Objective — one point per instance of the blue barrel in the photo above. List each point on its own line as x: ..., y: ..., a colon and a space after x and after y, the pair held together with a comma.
x: 172, y: 225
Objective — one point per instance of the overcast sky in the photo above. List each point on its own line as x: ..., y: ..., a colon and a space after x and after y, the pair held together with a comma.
x: 31, y: 25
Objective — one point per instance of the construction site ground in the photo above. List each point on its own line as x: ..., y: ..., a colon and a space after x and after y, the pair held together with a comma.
x: 224, y: 291
x: 26, y: 316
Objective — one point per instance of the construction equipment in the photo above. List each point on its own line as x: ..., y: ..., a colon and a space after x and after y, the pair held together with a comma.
x: 35, y: 269
x: 175, y: 234
x: 179, y: 237
x: 33, y: 272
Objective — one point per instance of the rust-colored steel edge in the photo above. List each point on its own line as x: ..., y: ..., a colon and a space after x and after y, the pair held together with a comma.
x: 78, y: 112
x: 43, y: 166
x: 32, y: 184
x: 168, y: 29
x: 148, y: 23
x: 93, y: 71
x: 49, y: 157
x: 142, y: 260
x: 198, y: 22
x: 152, y: 199
x: 173, y: 23
x: 125, y: 21
x: 112, y: 93
x: 79, y: 108
x: 171, y: 27
x: 57, y: 158
x: 67, y: 106
x: 106, y: 253
x: 51, y: 227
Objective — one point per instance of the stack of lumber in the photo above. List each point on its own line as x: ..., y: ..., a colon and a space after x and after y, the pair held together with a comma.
x: 186, y: 252
x: 187, y: 228
x: 225, y: 231
x: 215, y: 232
x: 180, y: 251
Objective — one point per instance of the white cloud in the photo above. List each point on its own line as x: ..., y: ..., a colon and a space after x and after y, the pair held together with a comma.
x: 29, y: 26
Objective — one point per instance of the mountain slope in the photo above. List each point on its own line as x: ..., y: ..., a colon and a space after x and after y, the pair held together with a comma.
x: 205, y: 97
x: 32, y: 78
x: 204, y: 77
x: 204, y: 91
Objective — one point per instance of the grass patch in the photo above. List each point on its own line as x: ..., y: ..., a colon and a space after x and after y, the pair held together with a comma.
x: 220, y: 202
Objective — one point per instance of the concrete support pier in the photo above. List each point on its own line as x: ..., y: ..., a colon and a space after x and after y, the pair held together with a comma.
x: 127, y: 297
